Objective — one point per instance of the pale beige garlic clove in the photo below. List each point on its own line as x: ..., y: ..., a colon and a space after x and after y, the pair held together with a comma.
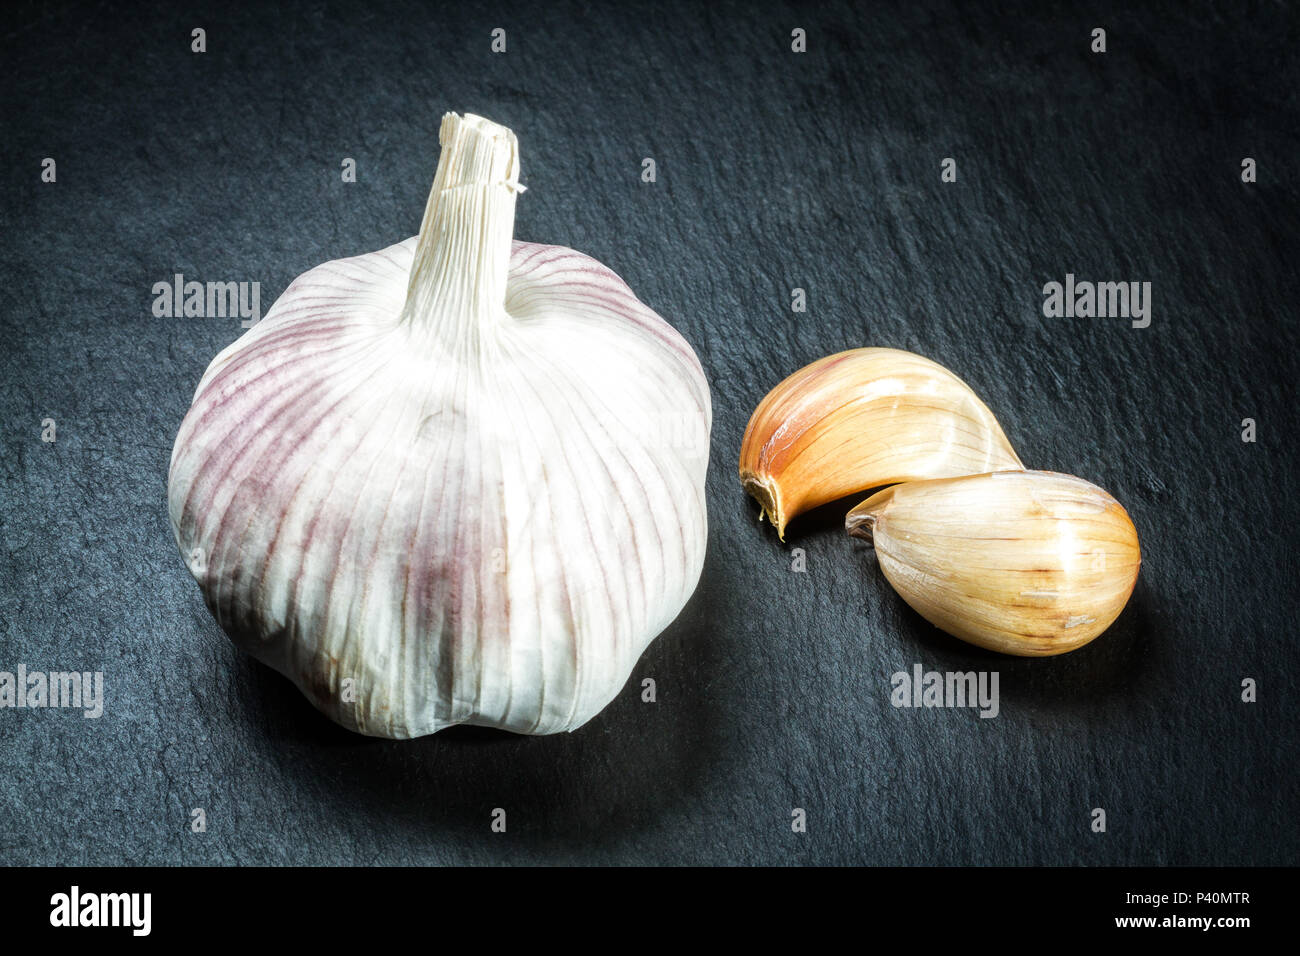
x: 1031, y: 563
x: 860, y: 419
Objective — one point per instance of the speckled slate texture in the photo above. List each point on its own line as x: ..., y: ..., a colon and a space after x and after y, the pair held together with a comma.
x: 775, y: 170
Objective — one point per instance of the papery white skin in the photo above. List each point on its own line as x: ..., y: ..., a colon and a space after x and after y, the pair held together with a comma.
x: 478, y: 509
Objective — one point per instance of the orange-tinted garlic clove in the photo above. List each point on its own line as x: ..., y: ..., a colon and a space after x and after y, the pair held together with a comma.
x: 861, y: 419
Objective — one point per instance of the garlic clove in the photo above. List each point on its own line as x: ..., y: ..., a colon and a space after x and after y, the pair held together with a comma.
x: 1031, y: 563
x: 457, y: 480
x: 861, y: 419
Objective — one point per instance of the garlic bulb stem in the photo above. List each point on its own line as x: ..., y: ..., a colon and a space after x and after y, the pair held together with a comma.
x: 457, y: 287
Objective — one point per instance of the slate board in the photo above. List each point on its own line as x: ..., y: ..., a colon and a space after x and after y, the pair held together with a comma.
x: 775, y: 170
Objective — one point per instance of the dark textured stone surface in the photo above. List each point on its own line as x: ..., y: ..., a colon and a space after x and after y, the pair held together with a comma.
x: 775, y: 170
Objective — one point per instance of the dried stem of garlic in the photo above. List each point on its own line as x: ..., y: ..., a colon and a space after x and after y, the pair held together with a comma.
x: 458, y: 480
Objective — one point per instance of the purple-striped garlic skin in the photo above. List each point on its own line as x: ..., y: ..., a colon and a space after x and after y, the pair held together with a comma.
x: 430, y: 523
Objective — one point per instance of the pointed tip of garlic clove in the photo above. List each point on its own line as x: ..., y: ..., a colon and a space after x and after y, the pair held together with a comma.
x: 860, y: 522
x: 862, y: 419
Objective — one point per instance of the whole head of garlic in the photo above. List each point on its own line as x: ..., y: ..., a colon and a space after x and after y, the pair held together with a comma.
x: 457, y: 480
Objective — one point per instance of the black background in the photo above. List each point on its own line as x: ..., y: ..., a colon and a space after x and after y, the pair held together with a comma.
x: 775, y: 170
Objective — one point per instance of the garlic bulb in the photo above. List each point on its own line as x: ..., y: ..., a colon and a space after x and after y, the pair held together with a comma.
x: 1031, y: 563
x: 459, y: 480
x: 861, y: 419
